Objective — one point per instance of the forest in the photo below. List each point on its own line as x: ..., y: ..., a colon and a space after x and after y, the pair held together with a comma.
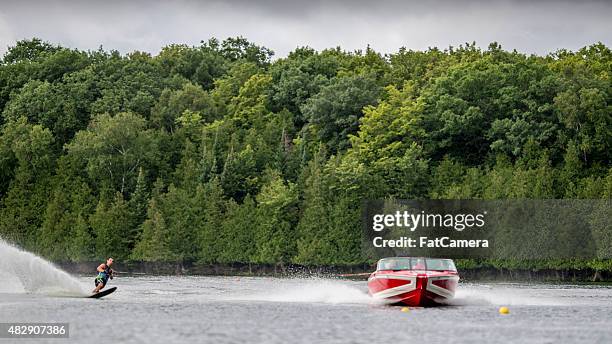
x: 222, y: 153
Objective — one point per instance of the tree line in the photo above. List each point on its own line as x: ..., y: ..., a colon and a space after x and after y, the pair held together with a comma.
x: 218, y: 153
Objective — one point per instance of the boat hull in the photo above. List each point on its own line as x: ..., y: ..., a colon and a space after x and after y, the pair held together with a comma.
x: 413, y: 288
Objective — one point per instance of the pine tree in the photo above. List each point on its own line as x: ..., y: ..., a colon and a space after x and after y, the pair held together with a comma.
x: 237, y: 234
x: 153, y: 244
x: 82, y: 247
x: 56, y: 231
x: 210, y: 204
x: 276, y: 215
x: 314, y: 225
x: 345, y: 233
x: 111, y: 224
x: 22, y: 207
x: 138, y: 206
x: 183, y: 217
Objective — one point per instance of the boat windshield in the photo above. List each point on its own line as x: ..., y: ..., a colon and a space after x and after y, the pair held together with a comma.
x: 409, y: 263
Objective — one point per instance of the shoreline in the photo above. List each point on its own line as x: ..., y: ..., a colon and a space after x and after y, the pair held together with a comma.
x: 480, y: 274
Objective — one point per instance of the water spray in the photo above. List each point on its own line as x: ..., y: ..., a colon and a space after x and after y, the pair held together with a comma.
x: 24, y: 272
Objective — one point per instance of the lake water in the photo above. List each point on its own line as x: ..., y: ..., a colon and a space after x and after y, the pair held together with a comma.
x: 274, y: 310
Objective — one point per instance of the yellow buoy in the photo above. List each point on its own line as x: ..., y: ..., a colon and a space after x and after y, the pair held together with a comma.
x: 504, y: 310
x: 405, y: 309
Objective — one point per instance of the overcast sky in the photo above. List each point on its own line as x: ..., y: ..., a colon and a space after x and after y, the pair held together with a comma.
x: 528, y: 26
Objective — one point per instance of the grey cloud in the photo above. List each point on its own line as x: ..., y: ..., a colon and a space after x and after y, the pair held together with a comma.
x: 532, y: 27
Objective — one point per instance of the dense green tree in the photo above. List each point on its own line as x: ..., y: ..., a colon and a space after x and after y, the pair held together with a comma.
x: 172, y: 104
x: 445, y: 177
x: 329, y: 229
x: 201, y: 65
x: 269, y: 161
x: 60, y: 233
x: 585, y: 112
x: 486, y: 105
x: 183, y: 217
x: 138, y: 204
x: 228, y: 86
x: 300, y: 76
x: 345, y: 231
x: 313, y: 245
x: 274, y: 234
x: 335, y: 111
x: 391, y: 127
x: 154, y: 241
x: 239, y: 175
x: 63, y: 107
x: 209, y: 199
x: 239, y: 48
x: 82, y: 247
x: 28, y: 50
x: 111, y: 224
x: 31, y: 149
x: 115, y: 148
x: 237, y: 232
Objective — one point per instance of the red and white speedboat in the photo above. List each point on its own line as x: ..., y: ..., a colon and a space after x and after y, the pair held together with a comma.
x: 414, y: 281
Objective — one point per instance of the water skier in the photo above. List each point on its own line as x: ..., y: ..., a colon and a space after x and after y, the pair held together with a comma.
x: 104, y: 273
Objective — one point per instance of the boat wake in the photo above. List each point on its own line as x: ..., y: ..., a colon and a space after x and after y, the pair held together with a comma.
x: 24, y: 272
x: 317, y: 290
x: 482, y: 295
x: 329, y: 291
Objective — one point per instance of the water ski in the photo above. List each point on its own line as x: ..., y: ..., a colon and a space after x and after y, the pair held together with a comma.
x: 102, y: 293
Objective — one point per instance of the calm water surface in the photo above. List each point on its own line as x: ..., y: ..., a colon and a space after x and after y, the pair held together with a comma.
x: 272, y: 310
